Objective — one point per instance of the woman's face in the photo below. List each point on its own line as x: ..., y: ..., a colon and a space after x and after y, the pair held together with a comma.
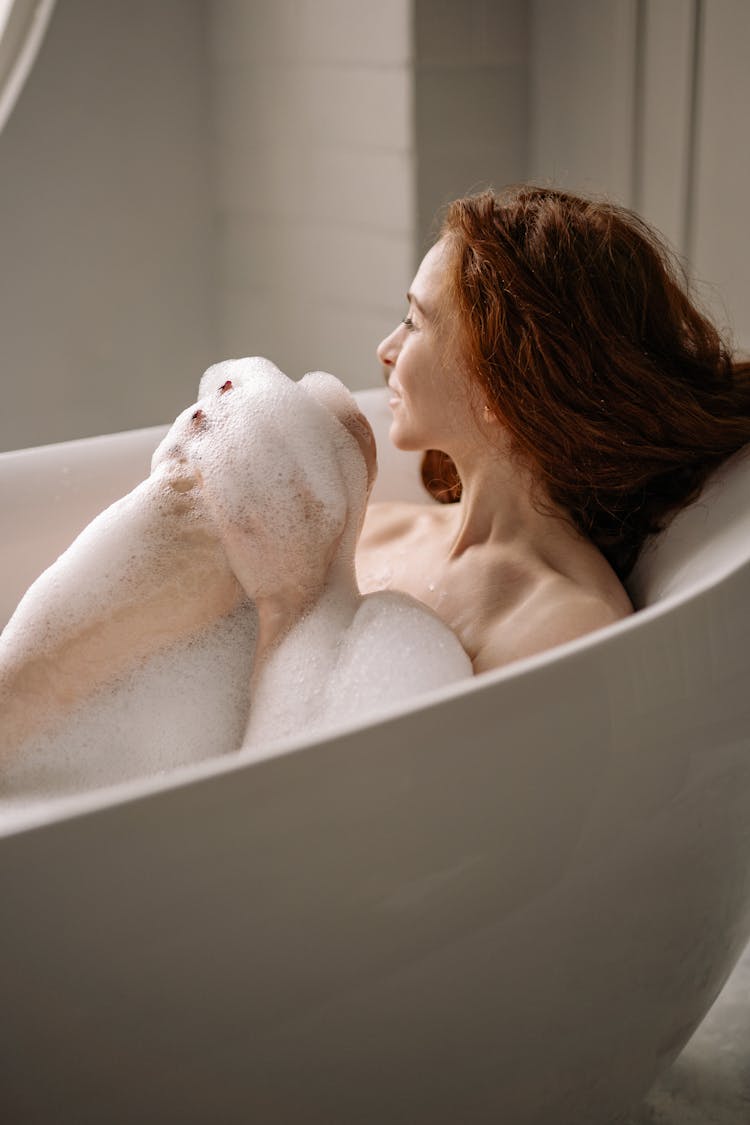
x: 423, y: 362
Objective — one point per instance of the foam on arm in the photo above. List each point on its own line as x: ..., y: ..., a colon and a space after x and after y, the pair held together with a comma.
x: 146, y: 572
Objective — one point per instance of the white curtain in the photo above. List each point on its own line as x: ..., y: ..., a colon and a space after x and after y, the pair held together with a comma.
x: 22, y: 27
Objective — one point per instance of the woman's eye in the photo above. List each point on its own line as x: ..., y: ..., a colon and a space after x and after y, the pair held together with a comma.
x: 407, y: 321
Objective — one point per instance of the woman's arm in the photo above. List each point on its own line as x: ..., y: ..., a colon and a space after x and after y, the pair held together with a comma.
x: 146, y: 572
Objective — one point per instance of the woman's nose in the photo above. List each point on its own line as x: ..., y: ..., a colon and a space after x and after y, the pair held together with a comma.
x: 387, y: 350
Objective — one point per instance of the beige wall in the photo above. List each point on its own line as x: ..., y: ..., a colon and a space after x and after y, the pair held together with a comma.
x: 471, y: 75
x: 107, y: 295
x: 649, y: 103
x: 190, y: 180
x: 314, y: 151
x: 720, y: 238
x: 581, y: 94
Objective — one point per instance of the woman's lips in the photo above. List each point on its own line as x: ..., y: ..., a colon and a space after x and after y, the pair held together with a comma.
x: 395, y: 398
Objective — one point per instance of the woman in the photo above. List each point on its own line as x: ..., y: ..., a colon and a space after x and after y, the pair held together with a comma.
x: 571, y: 398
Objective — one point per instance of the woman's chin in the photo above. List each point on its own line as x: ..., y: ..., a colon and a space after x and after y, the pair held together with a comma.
x: 401, y: 438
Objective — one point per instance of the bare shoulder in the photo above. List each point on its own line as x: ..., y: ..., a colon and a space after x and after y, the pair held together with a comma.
x: 388, y: 519
x: 558, y: 611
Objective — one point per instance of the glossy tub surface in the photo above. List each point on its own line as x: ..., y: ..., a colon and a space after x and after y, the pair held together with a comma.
x: 511, y: 902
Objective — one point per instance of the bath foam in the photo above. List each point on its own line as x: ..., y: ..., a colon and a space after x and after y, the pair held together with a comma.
x: 133, y: 652
x: 181, y: 705
x: 276, y: 470
x: 139, y: 640
x: 348, y: 656
x: 149, y: 571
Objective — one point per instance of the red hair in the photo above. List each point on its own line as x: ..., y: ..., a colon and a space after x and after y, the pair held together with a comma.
x: 578, y: 328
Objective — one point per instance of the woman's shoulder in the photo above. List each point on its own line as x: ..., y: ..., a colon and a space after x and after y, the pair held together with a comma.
x: 388, y: 520
x: 556, y: 611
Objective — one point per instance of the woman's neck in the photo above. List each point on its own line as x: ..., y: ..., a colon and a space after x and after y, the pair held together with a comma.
x: 500, y: 505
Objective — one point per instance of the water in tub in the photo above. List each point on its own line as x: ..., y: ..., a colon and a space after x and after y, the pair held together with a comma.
x: 216, y: 604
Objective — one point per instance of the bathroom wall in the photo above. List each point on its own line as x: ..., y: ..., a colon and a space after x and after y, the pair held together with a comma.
x: 471, y: 81
x: 314, y: 151
x: 581, y: 94
x: 107, y: 313
x: 721, y: 232
x: 646, y: 101
x: 612, y: 107
x: 196, y: 179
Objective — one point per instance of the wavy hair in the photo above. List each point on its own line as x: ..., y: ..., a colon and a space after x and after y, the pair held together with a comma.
x: 579, y: 329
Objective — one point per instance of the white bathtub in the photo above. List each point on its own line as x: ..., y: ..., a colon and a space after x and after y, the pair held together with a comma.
x: 511, y: 903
